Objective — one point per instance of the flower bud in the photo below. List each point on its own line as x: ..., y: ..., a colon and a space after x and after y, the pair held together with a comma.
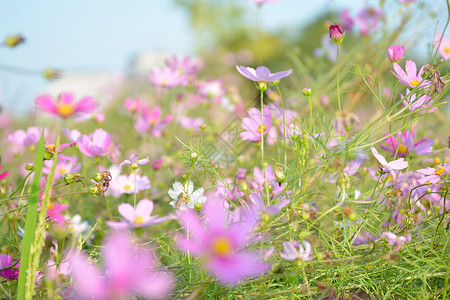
x: 395, y: 53
x: 134, y: 166
x: 98, y: 177
x: 93, y: 189
x: 262, y: 86
x: 49, y: 151
x: 203, y: 126
x: 336, y: 34
x: 198, y: 206
x: 29, y: 166
x: 51, y: 74
x: 14, y: 40
x: 69, y: 178
x: 194, y: 157
x: 279, y: 174
x: 243, y: 186
x: 307, y: 91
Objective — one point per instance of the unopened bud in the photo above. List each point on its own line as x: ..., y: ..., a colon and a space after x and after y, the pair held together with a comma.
x: 98, y: 177
x: 51, y: 74
x: 307, y: 91
x: 93, y: 189
x: 336, y: 34
x: 14, y: 40
x: 262, y: 86
x: 304, y: 235
x: 49, y: 151
x: 279, y: 174
x: 194, y: 157
x: 243, y: 186
x: 198, y: 206
x: 29, y: 166
x: 69, y: 178
x: 349, y: 213
x: 203, y: 126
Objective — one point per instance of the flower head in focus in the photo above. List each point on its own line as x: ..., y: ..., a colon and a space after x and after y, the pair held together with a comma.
x: 336, y: 33
x: 184, y: 196
x: 410, y: 78
x: 96, y: 144
x: 262, y: 74
x: 434, y: 175
x: 396, y: 52
x: 13, y: 272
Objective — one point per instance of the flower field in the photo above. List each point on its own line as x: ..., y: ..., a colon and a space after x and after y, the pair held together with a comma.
x: 258, y: 169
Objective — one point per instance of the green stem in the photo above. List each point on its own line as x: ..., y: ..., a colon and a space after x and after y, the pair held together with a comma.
x: 284, y: 126
x: 337, y: 79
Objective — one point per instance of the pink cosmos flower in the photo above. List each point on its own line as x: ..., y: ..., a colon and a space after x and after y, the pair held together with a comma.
x: 134, y: 161
x: 261, y: 2
x: 133, y: 106
x: 186, y: 66
x: 420, y: 104
x: 394, y: 240
x: 64, y: 106
x: 62, y: 168
x: 129, y: 271
x: 262, y: 74
x: 294, y: 251
x: 434, y: 175
x: 211, y: 89
x: 190, y: 123
x: 73, y: 135
x: 347, y: 21
x: 151, y: 121
x: 396, y: 52
x: 157, y: 163
x: 368, y: 19
x: 405, y: 144
x: 124, y: 184
x: 258, y: 202
x: 411, y: 78
x: 385, y: 167
x: 96, y: 144
x: 137, y: 217
x: 443, y: 45
x: 252, y: 125
x: 54, y: 210
x: 167, y: 77
x: 221, y: 245
x: 10, y: 274
x: 4, y: 174
x: 26, y: 139
x: 277, y: 132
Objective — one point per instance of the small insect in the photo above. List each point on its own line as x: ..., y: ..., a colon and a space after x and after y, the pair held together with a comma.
x: 181, y: 198
x: 105, y: 182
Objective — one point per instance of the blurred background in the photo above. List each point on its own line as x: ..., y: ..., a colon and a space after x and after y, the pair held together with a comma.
x: 99, y: 45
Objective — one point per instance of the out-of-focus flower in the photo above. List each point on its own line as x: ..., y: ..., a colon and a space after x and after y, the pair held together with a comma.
x: 167, y: 77
x: 51, y: 74
x: 221, y: 246
x: 54, y: 210
x: 420, y: 104
x: 394, y: 240
x: 385, y: 167
x: 405, y: 144
x: 368, y: 19
x: 396, y: 52
x: 262, y: 74
x: 124, y: 184
x: 133, y: 106
x: 157, y: 163
x: 184, y: 196
x: 151, y: 121
x: 137, y: 217
x: 443, y: 45
x: 10, y: 274
x: 277, y: 132
x: 187, y: 66
x: 96, y: 144
x: 411, y: 78
x: 434, y: 175
x: 26, y: 139
x: 347, y: 21
x: 252, y: 125
x: 294, y: 251
x: 14, y: 40
x: 73, y: 135
x: 256, y: 199
x: 4, y: 174
x: 211, y: 89
x: 328, y: 49
x: 62, y: 167
x: 336, y: 33
x: 261, y: 2
x: 75, y: 225
x: 65, y: 106
x: 191, y: 123
x: 131, y: 271
x: 134, y: 161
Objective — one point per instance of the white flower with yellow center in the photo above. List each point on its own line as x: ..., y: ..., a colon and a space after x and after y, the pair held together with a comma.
x: 184, y: 196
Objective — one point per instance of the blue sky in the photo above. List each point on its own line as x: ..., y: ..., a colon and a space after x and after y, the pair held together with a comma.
x: 82, y: 35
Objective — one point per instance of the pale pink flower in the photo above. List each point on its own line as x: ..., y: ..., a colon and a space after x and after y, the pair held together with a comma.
x: 190, y: 123
x: 65, y: 106
x: 62, y: 168
x: 261, y: 2
x: 96, y: 144
x: 410, y: 78
x: 368, y: 19
x: 396, y: 52
x: 134, y: 161
x: 262, y: 74
x: 124, y: 184
x: 405, y: 144
x: 133, y: 106
x: 252, y: 125
x: 420, y: 103
x: 151, y: 121
x: 294, y: 251
x: 167, y: 77
x: 443, y: 45
x: 434, y: 175
x: 28, y: 138
x: 394, y: 240
x: 385, y: 167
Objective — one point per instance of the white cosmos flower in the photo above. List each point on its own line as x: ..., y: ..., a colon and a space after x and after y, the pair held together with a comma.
x: 184, y: 196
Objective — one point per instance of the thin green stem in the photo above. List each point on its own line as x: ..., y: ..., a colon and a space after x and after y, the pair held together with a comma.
x: 337, y: 78
x: 284, y: 126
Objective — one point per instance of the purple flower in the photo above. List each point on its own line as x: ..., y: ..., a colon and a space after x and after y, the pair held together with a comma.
x: 434, y: 175
x: 221, y: 246
x: 252, y: 125
x: 410, y: 78
x: 336, y: 33
x: 26, y: 139
x: 130, y: 271
x: 395, y: 52
x: 256, y: 199
x: 405, y: 144
x: 394, y: 240
x: 262, y: 74
x: 421, y: 104
x: 137, y: 217
x: 134, y: 162
x: 10, y: 274
x: 96, y: 144
x: 385, y: 167
x: 294, y: 251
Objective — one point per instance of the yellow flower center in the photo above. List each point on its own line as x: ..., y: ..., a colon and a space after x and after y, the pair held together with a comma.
x: 138, y: 220
x: 262, y: 128
x: 127, y: 187
x: 402, y: 149
x: 222, y: 246
x: 66, y: 110
x: 447, y: 50
x: 439, y: 171
x: 51, y: 148
x: 50, y: 205
x: 62, y: 171
x: 414, y: 83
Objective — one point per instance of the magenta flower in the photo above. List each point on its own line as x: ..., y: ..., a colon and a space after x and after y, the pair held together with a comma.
x: 261, y: 2
x: 443, y: 46
x: 294, y: 251
x: 151, y: 121
x: 134, y: 161
x: 4, y: 174
x: 157, y: 163
x: 96, y: 144
x: 411, y: 78
x: 394, y: 240
x: 262, y: 74
x: 420, y: 104
x: 10, y: 274
x: 54, y: 210
x: 252, y: 125
x: 26, y: 139
x: 258, y: 202
x: 64, y: 106
x: 434, y: 175
x: 129, y: 271
x: 385, y: 167
x: 221, y: 246
x: 405, y: 144
x: 336, y: 33
x: 133, y: 106
x: 167, y: 77
x: 137, y: 217
x: 396, y: 52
